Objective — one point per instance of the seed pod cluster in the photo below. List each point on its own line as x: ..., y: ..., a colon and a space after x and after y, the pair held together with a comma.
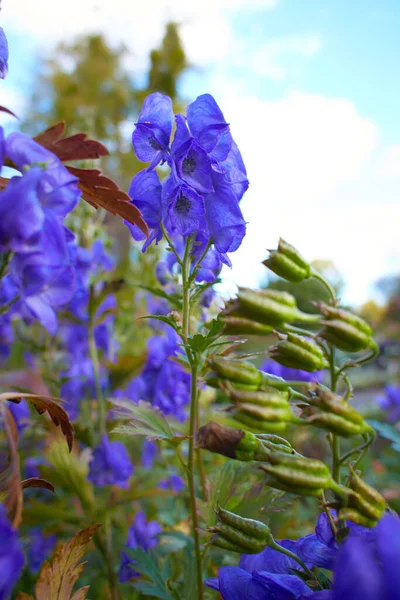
x: 288, y: 263
x: 344, y: 329
x: 242, y: 326
x: 296, y: 473
x: 331, y: 412
x: 365, y: 502
x: 235, y: 533
x: 263, y: 410
x: 298, y: 352
x: 227, y: 441
x: 238, y: 372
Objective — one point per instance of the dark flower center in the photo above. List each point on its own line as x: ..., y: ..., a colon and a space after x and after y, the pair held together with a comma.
x: 188, y: 165
x: 183, y: 204
x: 154, y: 144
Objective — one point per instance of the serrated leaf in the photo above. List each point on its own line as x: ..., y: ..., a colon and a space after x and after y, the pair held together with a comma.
x: 144, y: 419
x: 37, y: 482
x: 162, y: 318
x: 10, y: 478
x: 147, y: 564
x: 56, y: 580
x: 387, y: 431
x: 73, y: 147
x: 45, y: 404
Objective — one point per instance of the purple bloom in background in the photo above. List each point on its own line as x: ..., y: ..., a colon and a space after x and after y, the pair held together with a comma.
x: 3, y: 54
x: 173, y: 482
x: 142, y: 534
x: 274, y: 368
x: 39, y: 548
x: 21, y: 414
x: 390, y: 401
x: 149, y: 453
x: 110, y: 464
x: 11, y: 556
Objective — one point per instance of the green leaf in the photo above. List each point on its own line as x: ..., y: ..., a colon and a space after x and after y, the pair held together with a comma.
x: 147, y: 564
x: 387, y: 431
x: 162, y: 318
x: 144, y: 419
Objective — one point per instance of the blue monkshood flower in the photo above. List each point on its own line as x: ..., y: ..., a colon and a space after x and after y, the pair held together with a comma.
x: 31, y: 466
x: 145, y: 191
x: 153, y: 129
x: 142, y: 534
x: 390, y: 401
x: 110, y: 464
x: 21, y: 414
x: 39, y: 548
x: 173, y: 482
x: 149, y: 454
x: 6, y: 336
x: 3, y: 54
x: 11, y: 556
x: 184, y: 207
x: 274, y: 368
x: 370, y: 571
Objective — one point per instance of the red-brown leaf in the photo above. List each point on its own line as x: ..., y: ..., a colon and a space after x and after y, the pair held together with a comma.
x: 74, y: 147
x: 10, y: 478
x: 45, y: 404
x: 37, y: 482
x: 8, y: 111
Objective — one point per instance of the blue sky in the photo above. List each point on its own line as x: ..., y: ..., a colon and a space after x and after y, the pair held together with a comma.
x: 311, y: 90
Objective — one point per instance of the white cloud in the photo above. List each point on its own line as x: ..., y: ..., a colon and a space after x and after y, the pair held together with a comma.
x: 388, y: 165
x: 139, y: 25
x: 271, y: 58
x: 312, y: 166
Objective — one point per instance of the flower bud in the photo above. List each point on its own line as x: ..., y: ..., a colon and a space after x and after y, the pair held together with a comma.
x: 242, y: 326
x: 242, y: 535
x: 228, y: 441
x: 288, y: 263
x: 345, y: 330
x: 235, y: 370
x: 297, y: 352
x: 297, y: 474
x: 364, y: 498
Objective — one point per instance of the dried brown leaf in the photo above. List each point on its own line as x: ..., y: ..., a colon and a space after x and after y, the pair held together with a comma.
x: 56, y: 580
x: 8, y: 111
x: 37, y: 482
x: 45, y: 404
x: 10, y: 478
x: 23, y: 596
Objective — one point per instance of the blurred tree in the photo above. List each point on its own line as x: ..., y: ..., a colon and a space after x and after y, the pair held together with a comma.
x: 309, y: 289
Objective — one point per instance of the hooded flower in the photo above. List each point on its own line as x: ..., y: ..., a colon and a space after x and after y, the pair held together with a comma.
x: 110, y: 464
x: 390, y: 401
x: 142, y: 534
x: 153, y: 129
x: 274, y: 368
x: 3, y: 54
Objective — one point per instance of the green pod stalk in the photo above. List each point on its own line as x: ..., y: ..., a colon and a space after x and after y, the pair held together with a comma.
x: 351, y: 514
x: 242, y: 326
x: 250, y: 527
x: 235, y: 536
x: 258, y: 425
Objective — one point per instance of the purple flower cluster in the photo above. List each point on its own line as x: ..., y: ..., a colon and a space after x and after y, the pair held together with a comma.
x: 142, y: 534
x: 390, y: 401
x: 3, y: 54
x: 163, y: 381
x: 39, y: 548
x: 274, y: 368
x: 206, y: 182
x: 110, y: 464
x: 32, y: 211
x: 11, y: 556
x: 364, y: 566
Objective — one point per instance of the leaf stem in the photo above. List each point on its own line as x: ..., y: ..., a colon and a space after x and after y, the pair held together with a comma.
x: 171, y: 245
x: 101, y: 404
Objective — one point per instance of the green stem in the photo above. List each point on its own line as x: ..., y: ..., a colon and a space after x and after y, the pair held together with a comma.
x: 348, y: 364
x: 170, y: 244
x: 186, y: 290
x: 198, y: 264
x: 101, y: 404
x: 326, y: 283
x: 112, y: 577
x: 5, y: 259
x: 275, y: 546
x: 329, y: 515
x: 335, y: 439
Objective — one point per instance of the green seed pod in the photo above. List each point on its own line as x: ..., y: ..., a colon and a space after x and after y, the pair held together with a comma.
x: 235, y: 370
x: 296, y: 352
x: 345, y: 330
x: 294, y: 478
x: 331, y: 422
x: 368, y: 501
x: 333, y: 403
x: 264, y: 413
x: 250, y: 543
x: 274, y: 439
x: 270, y: 307
x: 248, y: 443
x: 268, y: 396
x: 220, y: 542
x: 273, y: 482
x: 269, y: 380
x: 297, y: 462
x: 259, y: 425
x: 288, y: 263
x: 248, y: 526
x: 242, y: 326
x: 351, y: 514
